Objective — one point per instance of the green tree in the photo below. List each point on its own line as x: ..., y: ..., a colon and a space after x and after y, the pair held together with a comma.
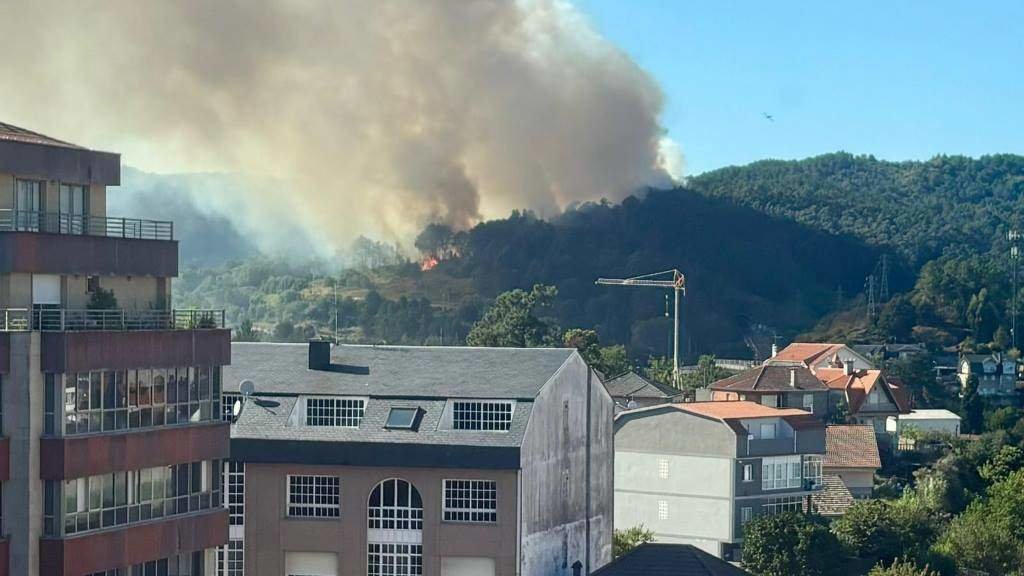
x: 246, y: 332
x: 897, y: 318
x: 972, y: 406
x: 608, y: 360
x: 514, y: 321
x: 659, y: 369
x: 902, y: 568
x: 1008, y: 460
x: 868, y: 530
x: 989, y: 535
x: 840, y: 414
x: 624, y: 541
x: 102, y: 299
x: 1004, y: 418
x: 706, y: 374
x: 284, y: 331
x: 790, y: 544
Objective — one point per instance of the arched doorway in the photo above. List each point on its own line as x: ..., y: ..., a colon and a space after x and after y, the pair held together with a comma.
x: 394, y: 530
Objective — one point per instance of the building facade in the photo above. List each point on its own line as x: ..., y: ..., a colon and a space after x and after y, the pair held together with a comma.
x: 112, y: 441
x: 369, y: 460
x: 778, y: 384
x: 696, y: 473
x: 996, y: 374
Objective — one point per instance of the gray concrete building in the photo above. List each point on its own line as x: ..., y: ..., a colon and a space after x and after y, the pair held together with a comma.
x: 110, y: 430
x: 696, y: 473
x: 365, y: 460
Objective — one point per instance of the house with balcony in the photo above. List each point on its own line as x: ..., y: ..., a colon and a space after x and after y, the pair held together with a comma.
x: 778, y: 384
x: 696, y: 473
x: 866, y: 395
x: 372, y: 460
x: 996, y: 374
x: 111, y: 440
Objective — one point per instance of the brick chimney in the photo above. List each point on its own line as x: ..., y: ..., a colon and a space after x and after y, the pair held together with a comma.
x: 848, y: 367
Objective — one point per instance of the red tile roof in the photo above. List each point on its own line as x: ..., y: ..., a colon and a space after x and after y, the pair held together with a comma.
x: 851, y: 446
x: 735, y: 410
x: 859, y: 384
x: 807, y: 352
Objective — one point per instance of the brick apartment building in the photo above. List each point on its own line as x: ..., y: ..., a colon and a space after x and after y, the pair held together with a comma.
x: 111, y: 432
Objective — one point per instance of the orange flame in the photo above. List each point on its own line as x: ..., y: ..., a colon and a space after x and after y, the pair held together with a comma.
x: 428, y: 263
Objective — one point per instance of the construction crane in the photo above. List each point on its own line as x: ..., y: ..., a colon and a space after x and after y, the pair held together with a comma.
x: 670, y: 279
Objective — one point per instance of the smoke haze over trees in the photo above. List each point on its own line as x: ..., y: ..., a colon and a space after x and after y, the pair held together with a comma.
x: 353, y: 117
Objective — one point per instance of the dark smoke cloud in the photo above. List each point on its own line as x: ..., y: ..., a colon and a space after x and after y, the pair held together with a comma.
x: 364, y: 116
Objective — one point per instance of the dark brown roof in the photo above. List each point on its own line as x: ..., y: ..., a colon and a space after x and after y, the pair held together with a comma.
x: 668, y: 560
x: 772, y: 377
x: 15, y: 134
x: 851, y: 446
x: 633, y: 385
x: 834, y: 499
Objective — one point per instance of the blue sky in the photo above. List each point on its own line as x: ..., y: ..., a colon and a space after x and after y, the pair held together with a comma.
x: 897, y: 79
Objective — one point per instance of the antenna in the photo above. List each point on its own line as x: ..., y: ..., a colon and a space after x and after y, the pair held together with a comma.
x: 247, y: 388
x: 1014, y: 236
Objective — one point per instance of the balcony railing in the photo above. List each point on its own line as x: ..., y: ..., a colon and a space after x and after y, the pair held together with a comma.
x: 64, y: 320
x: 84, y: 225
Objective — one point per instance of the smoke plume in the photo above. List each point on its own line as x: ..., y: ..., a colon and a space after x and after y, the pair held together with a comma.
x: 361, y: 116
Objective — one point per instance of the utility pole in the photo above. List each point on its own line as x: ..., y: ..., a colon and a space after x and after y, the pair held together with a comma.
x: 869, y: 287
x: 1014, y: 237
x: 883, y: 289
x: 670, y: 279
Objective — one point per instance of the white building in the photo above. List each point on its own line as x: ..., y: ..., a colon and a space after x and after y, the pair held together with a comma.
x: 925, y: 421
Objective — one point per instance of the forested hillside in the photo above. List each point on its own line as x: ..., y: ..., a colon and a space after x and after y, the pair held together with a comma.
x: 776, y: 247
x: 747, y: 274
x: 944, y: 222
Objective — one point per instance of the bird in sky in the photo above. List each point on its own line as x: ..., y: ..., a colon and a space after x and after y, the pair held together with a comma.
x: 768, y: 116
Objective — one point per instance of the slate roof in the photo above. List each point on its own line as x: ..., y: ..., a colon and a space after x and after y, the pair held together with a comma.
x: 668, y: 560
x: 851, y: 446
x: 388, y: 376
x: 834, y: 499
x: 397, y: 371
x: 13, y: 133
x: 633, y: 385
x: 772, y: 376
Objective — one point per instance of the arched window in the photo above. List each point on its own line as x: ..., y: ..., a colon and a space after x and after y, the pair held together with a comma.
x: 394, y: 527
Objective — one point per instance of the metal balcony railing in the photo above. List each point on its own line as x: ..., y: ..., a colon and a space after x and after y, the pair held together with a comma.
x: 84, y: 225
x: 64, y: 320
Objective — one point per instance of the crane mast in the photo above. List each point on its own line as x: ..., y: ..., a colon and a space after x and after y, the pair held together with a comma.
x: 669, y: 279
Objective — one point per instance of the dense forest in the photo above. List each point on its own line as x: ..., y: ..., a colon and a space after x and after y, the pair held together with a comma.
x: 775, y: 248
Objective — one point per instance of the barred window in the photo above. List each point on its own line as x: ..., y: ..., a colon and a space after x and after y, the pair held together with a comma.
x: 663, y: 468
x: 234, y: 491
x: 488, y: 415
x: 470, y: 501
x: 662, y: 510
x: 783, y: 504
x: 231, y: 558
x: 314, y: 496
x: 746, y: 514
x: 339, y: 412
x: 394, y: 559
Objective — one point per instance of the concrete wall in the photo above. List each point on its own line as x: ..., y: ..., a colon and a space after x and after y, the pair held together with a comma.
x: 555, y: 493
x: 270, y: 534
x: 23, y: 410
x: 697, y: 492
x: 6, y: 192
x: 860, y: 481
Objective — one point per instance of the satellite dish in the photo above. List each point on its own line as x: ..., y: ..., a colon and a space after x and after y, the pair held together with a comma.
x: 236, y: 409
x: 247, y: 388
x: 631, y: 404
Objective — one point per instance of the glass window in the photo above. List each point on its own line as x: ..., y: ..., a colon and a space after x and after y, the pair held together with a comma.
x: 471, y: 501
x: 767, y: 432
x: 314, y: 496
x: 335, y: 411
x: 402, y: 417
x: 487, y: 415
